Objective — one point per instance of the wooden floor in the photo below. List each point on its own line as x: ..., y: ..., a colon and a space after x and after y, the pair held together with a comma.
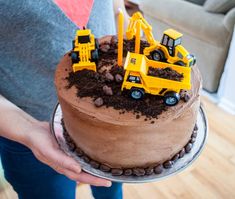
x: 211, y: 176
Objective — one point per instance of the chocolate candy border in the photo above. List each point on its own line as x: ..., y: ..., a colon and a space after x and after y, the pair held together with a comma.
x: 137, y: 171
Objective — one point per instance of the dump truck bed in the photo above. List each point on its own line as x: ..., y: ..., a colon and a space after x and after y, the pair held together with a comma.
x: 157, y: 82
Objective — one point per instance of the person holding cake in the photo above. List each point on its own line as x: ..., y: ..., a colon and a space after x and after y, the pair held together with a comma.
x: 33, y: 38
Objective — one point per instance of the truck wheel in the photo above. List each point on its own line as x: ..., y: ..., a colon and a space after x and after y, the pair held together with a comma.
x: 73, y: 44
x: 94, y: 55
x: 194, y: 60
x: 96, y: 44
x: 157, y: 55
x: 136, y: 93
x: 171, y: 98
x: 75, y: 57
x: 180, y: 63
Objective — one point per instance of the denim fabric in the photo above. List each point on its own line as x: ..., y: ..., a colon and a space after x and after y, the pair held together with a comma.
x: 114, y: 192
x: 32, y: 179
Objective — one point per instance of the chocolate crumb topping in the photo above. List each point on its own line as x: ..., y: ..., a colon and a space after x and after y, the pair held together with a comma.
x: 166, y: 73
x: 104, y: 86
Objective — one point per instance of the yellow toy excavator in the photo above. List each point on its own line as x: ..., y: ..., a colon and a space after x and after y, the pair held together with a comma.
x: 85, y: 51
x: 169, y: 49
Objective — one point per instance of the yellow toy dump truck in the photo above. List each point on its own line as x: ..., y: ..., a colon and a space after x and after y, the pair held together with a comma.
x: 138, y: 82
x: 85, y: 51
x: 169, y: 49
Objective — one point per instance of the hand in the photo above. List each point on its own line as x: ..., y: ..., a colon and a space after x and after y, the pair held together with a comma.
x: 45, y: 148
x: 36, y: 135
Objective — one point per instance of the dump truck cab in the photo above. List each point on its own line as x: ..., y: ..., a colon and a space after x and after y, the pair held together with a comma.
x: 133, y: 81
x: 84, y: 54
x: 171, y: 50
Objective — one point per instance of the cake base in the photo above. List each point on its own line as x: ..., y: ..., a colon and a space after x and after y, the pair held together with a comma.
x: 179, y: 165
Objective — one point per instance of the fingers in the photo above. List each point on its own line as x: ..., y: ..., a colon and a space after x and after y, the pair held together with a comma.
x: 87, y: 179
x: 92, y: 180
x: 53, y: 155
x: 64, y: 164
x: 83, y: 177
x: 60, y: 159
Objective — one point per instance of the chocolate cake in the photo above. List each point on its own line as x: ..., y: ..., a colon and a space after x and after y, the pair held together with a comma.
x: 115, y: 133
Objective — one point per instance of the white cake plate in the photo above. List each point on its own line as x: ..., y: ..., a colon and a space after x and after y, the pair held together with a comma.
x: 179, y: 165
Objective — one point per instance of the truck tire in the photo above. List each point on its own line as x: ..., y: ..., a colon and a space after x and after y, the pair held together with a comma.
x: 136, y: 93
x: 171, y: 98
x: 97, y: 44
x: 157, y: 55
x: 73, y: 44
x: 95, y: 56
x: 75, y: 57
x: 194, y: 60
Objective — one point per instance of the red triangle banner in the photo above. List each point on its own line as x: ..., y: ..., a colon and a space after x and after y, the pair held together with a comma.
x: 78, y: 11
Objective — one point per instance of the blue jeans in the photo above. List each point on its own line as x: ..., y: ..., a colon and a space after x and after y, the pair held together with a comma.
x: 32, y: 179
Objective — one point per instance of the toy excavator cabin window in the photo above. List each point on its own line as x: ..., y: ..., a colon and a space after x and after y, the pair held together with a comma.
x: 134, y: 79
x: 167, y: 41
x: 164, y: 40
x: 178, y: 41
x: 170, y: 43
x: 84, y: 39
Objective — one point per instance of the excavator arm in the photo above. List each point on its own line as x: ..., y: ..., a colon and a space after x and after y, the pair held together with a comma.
x: 136, y: 24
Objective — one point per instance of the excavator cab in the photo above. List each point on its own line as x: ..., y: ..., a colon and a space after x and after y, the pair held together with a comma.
x: 171, y: 50
x: 170, y: 40
x: 168, y: 50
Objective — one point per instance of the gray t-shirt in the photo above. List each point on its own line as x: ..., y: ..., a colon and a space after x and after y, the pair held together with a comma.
x: 34, y: 35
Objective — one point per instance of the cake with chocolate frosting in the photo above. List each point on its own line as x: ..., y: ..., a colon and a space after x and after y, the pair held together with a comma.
x: 115, y: 133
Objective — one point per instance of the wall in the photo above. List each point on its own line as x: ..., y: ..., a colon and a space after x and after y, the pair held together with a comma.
x: 226, y: 92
